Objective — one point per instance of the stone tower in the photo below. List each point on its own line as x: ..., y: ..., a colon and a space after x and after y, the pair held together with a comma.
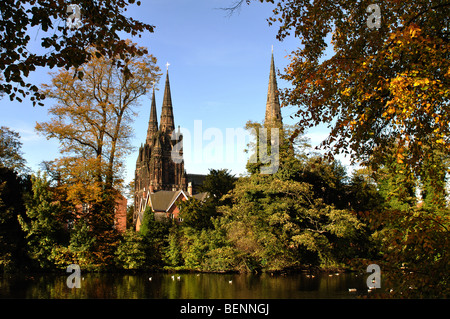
x: 273, y: 111
x: 160, y: 164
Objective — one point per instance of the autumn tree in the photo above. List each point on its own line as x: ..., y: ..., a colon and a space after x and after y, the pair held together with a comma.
x: 385, y: 83
x: 63, y: 39
x: 384, y: 94
x: 92, y: 120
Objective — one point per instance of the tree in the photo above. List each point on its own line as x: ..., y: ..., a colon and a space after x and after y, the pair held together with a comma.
x: 92, y: 117
x: 327, y: 178
x: 11, y: 156
x: 64, y: 46
x: 197, y: 214
x: 382, y: 86
x: 283, y: 220
x: 14, y: 186
x: 396, y: 183
x: 131, y: 251
x: 414, y: 245
x: 92, y: 120
x: 285, y: 150
x: 218, y: 183
x: 363, y: 194
x: 154, y: 238
x: 13, y: 189
x: 44, y: 223
x: 277, y: 224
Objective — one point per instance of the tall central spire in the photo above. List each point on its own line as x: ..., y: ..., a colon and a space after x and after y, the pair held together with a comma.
x: 167, y: 123
x: 153, y: 120
x: 273, y: 111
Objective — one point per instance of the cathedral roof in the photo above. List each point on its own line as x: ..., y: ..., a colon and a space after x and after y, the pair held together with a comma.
x: 195, y: 179
x: 162, y: 201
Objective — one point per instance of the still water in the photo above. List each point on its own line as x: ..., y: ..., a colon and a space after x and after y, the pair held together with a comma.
x: 185, y: 286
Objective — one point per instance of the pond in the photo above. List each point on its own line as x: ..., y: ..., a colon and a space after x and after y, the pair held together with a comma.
x: 185, y: 286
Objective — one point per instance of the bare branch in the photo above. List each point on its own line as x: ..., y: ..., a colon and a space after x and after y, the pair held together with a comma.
x: 236, y: 6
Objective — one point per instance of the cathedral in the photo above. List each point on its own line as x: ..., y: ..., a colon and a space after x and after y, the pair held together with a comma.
x: 160, y: 177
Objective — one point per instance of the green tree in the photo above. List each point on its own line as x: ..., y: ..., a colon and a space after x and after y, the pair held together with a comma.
x: 14, y: 185
x: 197, y: 214
x: 11, y: 156
x: 434, y: 180
x: 218, y: 183
x: 414, y: 246
x: 131, y: 251
x: 363, y: 195
x: 172, y: 253
x: 81, y: 243
x: 155, y: 237
x: 327, y: 178
x: 278, y: 224
x: 44, y: 223
x: 13, y: 189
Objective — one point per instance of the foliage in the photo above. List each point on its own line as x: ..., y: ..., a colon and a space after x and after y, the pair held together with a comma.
x: 196, y: 214
x: 11, y: 156
x: 364, y: 192
x: 81, y: 242
x: 172, y: 253
x: 92, y: 121
x: 131, y: 252
x: 92, y: 118
x: 380, y: 86
x: 397, y: 184
x: 274, y: 222
x: 14, y: 185
x: 218, y: 183
x: 199, y: 214
x: 279, y: 224
x: 155, y: 235
x: 101, y: 23
x: 13, y: 189
x: 415, y: 249
x: 384, y: 94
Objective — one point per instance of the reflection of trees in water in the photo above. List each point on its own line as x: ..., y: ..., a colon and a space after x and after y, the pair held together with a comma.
x: 189, y: 286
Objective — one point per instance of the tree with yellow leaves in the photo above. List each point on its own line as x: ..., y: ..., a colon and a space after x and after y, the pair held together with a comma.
x: 384, y: 94
x: 383, y: 85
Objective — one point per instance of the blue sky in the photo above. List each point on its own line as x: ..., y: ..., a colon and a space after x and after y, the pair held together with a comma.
x: 219, y: 72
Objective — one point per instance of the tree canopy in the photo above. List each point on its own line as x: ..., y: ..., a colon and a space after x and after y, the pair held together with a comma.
x: 92, y: 117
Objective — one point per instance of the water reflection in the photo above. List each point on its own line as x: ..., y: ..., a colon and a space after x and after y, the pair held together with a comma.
x: 187, y: 286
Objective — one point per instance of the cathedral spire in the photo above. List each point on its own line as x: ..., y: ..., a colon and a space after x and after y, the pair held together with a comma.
x: 153, y: 120
x: 273, y: 112
x: 167, y: 123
